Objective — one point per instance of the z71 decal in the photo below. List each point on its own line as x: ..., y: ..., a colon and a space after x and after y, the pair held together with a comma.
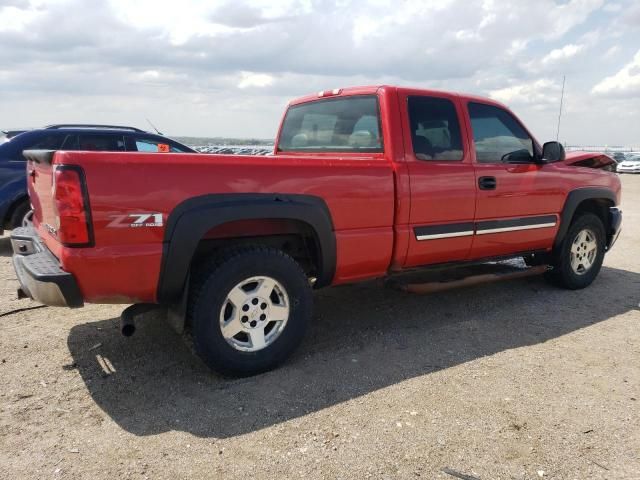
x: 137, y: 220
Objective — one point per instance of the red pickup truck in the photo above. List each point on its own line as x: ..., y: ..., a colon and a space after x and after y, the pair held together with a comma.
x: 364, y: 182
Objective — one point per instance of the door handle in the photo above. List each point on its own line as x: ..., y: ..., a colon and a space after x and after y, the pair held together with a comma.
x: 487, y: 183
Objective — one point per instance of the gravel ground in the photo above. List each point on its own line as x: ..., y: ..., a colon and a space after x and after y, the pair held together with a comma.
x: 510, y: 380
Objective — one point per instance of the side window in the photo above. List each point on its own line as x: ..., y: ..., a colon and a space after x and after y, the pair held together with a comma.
x: 333, y: 125
x: 101, y: 143
x: 46, y: 142
x: 153, y: 145
x: 496, y: 135
x: 435, y: 129
x: 71, y: 143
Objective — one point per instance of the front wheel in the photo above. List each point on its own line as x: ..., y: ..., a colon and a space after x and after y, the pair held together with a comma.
x: 249, y: 310
x: 579, y: 258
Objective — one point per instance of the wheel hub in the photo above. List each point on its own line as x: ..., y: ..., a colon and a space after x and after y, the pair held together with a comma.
x: 254, y: 313
x: 584, y: 250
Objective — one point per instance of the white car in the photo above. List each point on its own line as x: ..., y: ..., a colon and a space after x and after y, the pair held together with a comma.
x: 629, y: 165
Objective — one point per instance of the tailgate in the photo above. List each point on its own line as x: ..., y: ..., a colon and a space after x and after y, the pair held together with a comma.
x: 40, y: 187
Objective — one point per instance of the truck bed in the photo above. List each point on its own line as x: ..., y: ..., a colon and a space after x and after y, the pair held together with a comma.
x: 122, y: 185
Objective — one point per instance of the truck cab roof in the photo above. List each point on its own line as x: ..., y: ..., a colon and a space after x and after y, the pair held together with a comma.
x: 375, y: 89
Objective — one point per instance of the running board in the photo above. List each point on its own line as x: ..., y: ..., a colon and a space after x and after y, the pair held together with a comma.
x: 434, y: 282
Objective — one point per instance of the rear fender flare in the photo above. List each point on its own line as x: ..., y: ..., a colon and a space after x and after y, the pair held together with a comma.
x: 190, y: 220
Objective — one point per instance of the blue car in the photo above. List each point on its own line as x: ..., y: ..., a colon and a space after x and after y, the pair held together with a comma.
x: 14, y: 201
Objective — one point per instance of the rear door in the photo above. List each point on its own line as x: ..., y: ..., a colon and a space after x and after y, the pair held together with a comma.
x: 518, y: 200
x: 442, y: 179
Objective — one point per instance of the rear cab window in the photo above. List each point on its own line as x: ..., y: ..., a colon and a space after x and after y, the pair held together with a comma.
x: 347, y: 124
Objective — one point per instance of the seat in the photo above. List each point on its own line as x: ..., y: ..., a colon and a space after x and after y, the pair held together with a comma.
x: 422, y: 146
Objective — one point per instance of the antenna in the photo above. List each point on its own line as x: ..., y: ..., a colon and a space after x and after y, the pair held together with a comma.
x: 564, y: 77
x: 158, y: 131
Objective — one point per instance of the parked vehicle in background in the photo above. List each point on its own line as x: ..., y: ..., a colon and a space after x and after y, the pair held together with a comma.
x: 631, y: 164
x: 364, y: 183
x: 618, y: 156
x: 14, y: 202
x: 6, y: 135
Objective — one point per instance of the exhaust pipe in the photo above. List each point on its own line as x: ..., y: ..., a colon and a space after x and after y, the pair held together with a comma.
x: 127, y: 318
x: 127, y: 322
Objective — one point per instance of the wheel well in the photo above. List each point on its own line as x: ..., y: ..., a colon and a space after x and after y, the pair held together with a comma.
x: 294, y: 237
x: 300, y: 225
x: 597, y: 206
x: 12, y: 209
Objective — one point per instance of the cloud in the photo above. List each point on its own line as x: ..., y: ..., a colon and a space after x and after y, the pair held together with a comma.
x: 539, y: 93
x: 250, y: 79
x: 229, y: 67
x: 625, y: 83
x: 612, y: 7
x: 560, y: 54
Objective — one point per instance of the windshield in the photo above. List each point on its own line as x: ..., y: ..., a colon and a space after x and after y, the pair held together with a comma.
x: 333, y: 125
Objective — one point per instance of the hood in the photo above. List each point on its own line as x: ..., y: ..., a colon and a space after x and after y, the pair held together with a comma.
x: 590, y: 160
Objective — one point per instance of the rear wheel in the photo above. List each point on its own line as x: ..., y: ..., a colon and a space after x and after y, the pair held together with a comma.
x: 27, y: 219
x: 249, y: 310
x: 20, y: 214
x: 579, y: 258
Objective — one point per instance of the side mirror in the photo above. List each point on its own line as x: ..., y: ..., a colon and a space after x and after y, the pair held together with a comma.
x: 518, y: 156
x: 553, y: 152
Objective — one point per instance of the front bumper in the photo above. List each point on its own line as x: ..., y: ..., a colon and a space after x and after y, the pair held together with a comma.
x: 615, y: 226
x: 39, y: 272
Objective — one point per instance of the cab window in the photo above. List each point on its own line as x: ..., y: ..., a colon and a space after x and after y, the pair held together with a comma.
x: 435, y: 129
x: 498, y: 136
x: 333, y: 125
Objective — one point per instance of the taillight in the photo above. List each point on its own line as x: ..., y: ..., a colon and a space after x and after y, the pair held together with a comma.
x: 71, y: 206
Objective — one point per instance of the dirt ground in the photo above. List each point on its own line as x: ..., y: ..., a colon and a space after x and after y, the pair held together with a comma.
x: 511, y: 380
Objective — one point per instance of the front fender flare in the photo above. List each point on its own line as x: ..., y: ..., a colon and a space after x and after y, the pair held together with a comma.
x: 574, y: 199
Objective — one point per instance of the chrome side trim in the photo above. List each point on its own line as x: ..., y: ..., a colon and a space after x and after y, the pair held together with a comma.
x: 444, y: 235
x: 515, y: 229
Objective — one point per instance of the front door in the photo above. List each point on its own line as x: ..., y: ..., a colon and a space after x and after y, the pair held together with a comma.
x: 442, y: 179
x: 518, y: 199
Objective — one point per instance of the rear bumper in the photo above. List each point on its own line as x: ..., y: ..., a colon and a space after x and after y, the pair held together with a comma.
x: 39, y: 272
x: 615, y: 227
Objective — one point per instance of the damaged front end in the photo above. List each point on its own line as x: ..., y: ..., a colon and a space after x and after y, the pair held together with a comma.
x: 591, y: 160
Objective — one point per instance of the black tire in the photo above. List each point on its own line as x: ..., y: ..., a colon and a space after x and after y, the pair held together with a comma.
x: 213, y: 282
x: 19, y: 213
x: 563, y: 274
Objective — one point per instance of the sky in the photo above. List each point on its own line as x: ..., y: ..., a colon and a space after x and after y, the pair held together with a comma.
x: 228, y: 68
